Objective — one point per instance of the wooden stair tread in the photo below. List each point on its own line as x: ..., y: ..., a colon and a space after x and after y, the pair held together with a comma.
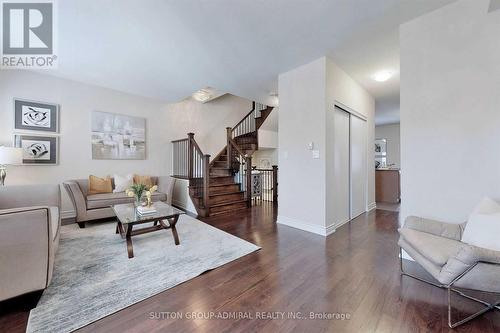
x: 216, y: 185
x: 228, y: 203
x: 220, y: 194
x: 226, y: 193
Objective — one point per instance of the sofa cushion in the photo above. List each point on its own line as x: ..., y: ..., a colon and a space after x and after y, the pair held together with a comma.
x: 105, y: 200
x: 146, y: 180
x: 122, y: 183
x: 100, y: 185
x: 436, y: 249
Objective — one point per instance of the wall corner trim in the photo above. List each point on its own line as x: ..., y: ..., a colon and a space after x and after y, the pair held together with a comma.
x: 313, y: 228
x: 371, y: 206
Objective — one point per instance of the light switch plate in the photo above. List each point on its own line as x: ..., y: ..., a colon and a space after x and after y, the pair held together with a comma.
x: 315, y: 153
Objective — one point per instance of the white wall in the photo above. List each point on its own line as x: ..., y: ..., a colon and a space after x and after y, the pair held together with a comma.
x: 164, y: 122
x: 307, y: 98
x: 77, y: 101
x: 208, y: 121
x: 450, y: 116
x: 302, y: 183
x: 268, y: 139
x: 341, y: 88
x: 271, y: 154
x: 392, y: 134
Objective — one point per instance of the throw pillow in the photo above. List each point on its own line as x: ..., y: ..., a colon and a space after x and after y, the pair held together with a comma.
x: 483, y: 230
x: 100, y: 185
x: 122, y: 183
x: 487, y: 206
x: 483, y: 226
x: 146, y: 180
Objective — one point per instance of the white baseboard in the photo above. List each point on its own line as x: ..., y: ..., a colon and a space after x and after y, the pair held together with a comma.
x: 371, y: 206
x: 313, y: 228
x: 183, y: 206
x: 338, y: 225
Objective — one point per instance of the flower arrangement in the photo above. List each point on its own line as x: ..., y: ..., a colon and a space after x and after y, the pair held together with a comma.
x: 149, y: 195
x: 138, y: 190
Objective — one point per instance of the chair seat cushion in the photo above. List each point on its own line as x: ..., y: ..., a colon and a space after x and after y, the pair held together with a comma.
x: 105, y: 200
x: 434, y: 248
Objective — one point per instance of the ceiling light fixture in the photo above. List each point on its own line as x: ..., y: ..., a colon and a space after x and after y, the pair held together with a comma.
x: 382, y: 76
x: 202, y: 95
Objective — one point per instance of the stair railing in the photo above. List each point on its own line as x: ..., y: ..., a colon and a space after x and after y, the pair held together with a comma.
x: 190, y: 163
x: 247, y: 125
x: 238, y: 158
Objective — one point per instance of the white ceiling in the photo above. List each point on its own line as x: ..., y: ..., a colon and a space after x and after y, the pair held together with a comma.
x: 169, y: 49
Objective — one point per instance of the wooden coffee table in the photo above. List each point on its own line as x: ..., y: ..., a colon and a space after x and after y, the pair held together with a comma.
x: 127, y: 217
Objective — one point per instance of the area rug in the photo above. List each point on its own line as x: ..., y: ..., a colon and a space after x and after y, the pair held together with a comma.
x: 94, y: 278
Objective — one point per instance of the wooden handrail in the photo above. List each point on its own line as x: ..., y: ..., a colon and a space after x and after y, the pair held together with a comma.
x: 245, y: 117
x: 195, y: 145
x: 179, y: 140
x: 235, y: 146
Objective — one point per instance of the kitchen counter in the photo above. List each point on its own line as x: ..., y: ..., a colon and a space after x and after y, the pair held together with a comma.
x: 387, y: 185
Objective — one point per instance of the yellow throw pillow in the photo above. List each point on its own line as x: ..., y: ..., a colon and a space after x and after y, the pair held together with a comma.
x: 146, y: 180
x: 100, y: 185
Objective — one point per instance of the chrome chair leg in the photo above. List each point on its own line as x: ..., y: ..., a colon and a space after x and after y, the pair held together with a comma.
x: 488, y: 306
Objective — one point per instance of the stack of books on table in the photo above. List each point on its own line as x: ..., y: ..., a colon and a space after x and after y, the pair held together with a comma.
x: 143, y: 210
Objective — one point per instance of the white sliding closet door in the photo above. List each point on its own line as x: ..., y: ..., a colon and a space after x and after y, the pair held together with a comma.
x: 358, y: 166
x: 342, y: 191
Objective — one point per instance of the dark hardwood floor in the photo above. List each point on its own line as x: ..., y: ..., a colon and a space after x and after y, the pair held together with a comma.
x: 355, y: 271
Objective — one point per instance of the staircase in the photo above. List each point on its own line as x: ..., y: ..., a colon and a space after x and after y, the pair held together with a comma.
x: 221, y: 185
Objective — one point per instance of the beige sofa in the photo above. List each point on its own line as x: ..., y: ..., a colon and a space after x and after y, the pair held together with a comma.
x: 29, y: 237
x: 454, y: 265
x: 90, y: 207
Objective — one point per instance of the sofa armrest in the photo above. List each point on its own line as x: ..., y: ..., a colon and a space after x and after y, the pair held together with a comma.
x: 77, y: 198
x: 438, y: 228
x: 25, y: 233
x: 164, y: 185
x: 30, y: 195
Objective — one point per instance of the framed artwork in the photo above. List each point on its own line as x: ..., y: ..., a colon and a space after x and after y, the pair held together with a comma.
x: 38, y: 150
x: 380, y: 162
x: 118, y: 137
x: 380, y: 147
x: 36, y: 116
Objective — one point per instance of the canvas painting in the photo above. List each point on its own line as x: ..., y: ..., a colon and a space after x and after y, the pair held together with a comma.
x: 118, y: 137
x: 36, y: 116
x: 41, y: 150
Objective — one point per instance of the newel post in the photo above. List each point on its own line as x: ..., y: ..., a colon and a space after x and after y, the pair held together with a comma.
x: 229, y: 151
x: 190, y: 155
x: 248, y: 162
x: 275, y: 183
x: 206, y: 180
